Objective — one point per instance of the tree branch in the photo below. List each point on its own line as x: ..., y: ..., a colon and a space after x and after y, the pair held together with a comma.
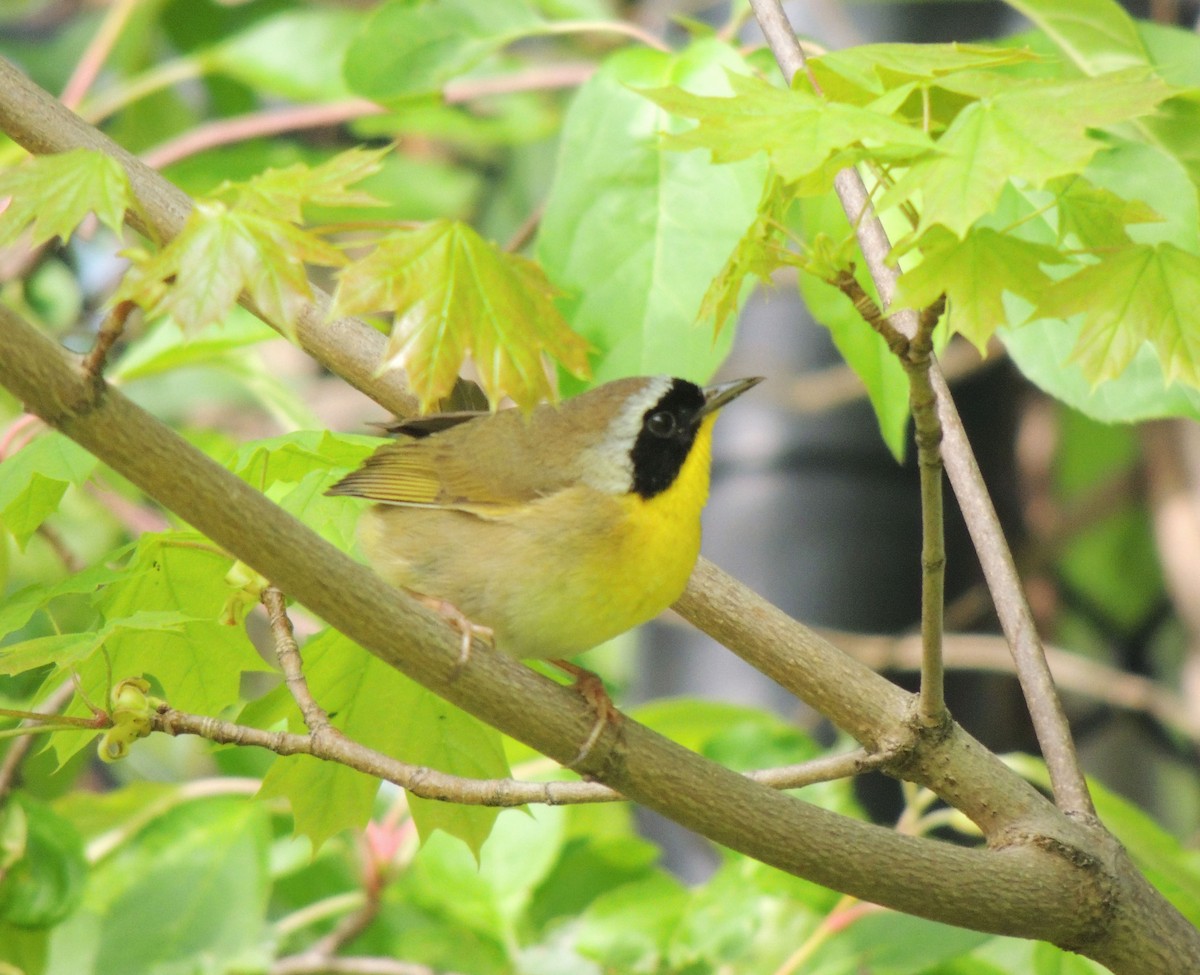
x: 1045, y: 709
x: 991, y: 890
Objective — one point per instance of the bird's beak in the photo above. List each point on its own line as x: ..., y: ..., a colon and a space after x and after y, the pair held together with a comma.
x: 717, y: 396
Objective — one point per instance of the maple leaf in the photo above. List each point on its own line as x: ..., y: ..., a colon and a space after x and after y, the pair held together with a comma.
x: 454, y: 295
x: 197, y: 277
x: 1143, y: 293
x: 1033, y: 132
x: 51, y: 195
x: 762, y: 249
x: 859, y: 74
x: 974, y: 273
x: 806, y: 137
x: 1095, y: 216
x: 281, y: 193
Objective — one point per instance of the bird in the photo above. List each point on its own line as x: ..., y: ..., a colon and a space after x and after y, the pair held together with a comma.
x: 546, y: 533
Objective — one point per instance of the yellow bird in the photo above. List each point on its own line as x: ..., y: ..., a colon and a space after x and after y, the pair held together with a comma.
x: 551, y: 532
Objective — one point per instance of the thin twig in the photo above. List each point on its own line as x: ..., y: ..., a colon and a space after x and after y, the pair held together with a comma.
x: 428, y: 783
x: 97, y: 52
x: 110, y: 330
x: 1049, y: 721
x: 316, y: 720
x: 20, y: 748
x: 931, y: 705
x: 52, y: 537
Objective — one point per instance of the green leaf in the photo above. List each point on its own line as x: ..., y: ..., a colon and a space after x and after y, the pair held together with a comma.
x: 974, y: 273
x: 455, y: 295
x: 1171, y: 867
x: 761, y: 251
x: 1140, y: 294
x: 633, y: 235
x: 197, y: 277
x: 61, y: 649
x: 196, y: 659
x: 630, y: 928
x: 378, y: 706
x: 409, y: 47
x: 1033, y: 131
x: 51, y: 195
x: 166, y: 348
x: 42, y: 867
x: 1097, y: 35
x: 283, y: 192
x: 19, y: 607
x: 296, y: 54
x: 805, y: 136
x: 292, y: 457
x: 1042, y: 351
x: 889, y: 943
x: 1094, y: 217
x: 862, y: 73
x: 193, y: 885
x: 862, y: 348
x: 35, y: 479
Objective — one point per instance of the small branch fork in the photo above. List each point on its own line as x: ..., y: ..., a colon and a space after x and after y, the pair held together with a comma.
x: 941, y: 439
x: 324, y: 741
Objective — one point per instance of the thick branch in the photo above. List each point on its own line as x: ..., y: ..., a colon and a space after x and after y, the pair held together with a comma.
x: 1016, y: 890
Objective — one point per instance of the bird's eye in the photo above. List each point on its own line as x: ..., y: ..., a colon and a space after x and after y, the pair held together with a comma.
x: 661, y: 424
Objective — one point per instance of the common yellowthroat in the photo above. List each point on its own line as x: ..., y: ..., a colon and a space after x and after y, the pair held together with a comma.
x: 549, y: 532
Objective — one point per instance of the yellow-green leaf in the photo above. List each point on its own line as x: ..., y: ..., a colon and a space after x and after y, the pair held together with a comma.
x: 455, y: 295
x: 1033, y: 132
x: 281, y: 193
x: 197, y: 277
x: 51, y: 195
x: 1143, y: 293
x: 974, y: 273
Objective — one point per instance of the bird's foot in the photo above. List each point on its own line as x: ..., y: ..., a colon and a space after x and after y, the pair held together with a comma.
x: 461, y: 622
x: 591, y: 688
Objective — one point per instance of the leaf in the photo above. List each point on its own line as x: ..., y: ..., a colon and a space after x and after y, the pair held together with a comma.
x: 805, y: 136
x: 19, y: 607
x: 171, y: 579
x: 42, y: 883
x: 862, y: 348
x: 35, y: 478
x: 1143, y: 293
x: 378, y: 706
x: 197, y: 277
x: 191, y: 885
x: 860, y: 74
x: 1042, y: 350
x: 281, y: 193
x: 1097, y: 35
x: 455, y: 295
x: 1032, y: 131
x: 51, y: 195
x: 974, y: 273
x: 632, y: 235
x: 408, y: 47
x: 1094, y: 216
x: 165, y: 348
x: 296, y: 54
x: 61, y: 649
x: 761, y: 251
